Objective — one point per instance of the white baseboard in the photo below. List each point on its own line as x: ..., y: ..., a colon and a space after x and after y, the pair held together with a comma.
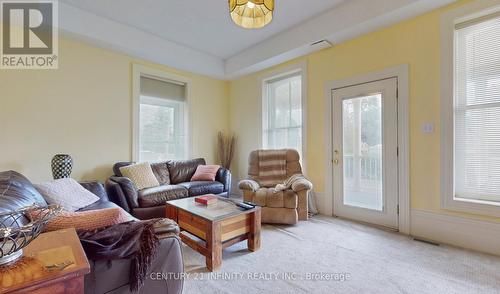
x: 463, y: 232
x: 324, y: 208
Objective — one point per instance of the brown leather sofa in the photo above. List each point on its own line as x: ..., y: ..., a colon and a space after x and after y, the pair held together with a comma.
x: 175, y: 183
x: 16, y: 191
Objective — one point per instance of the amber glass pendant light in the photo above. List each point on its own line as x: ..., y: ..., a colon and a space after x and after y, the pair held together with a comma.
x: 251, y: 14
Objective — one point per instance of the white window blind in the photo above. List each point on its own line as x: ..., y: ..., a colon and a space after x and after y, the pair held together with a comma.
x: 162, y: 89
x: 477, y: 109
x: 283, y: 113
x: 162, y: 126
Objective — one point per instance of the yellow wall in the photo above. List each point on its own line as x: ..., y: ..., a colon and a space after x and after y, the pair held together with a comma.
x: 84, y: 109
x: 415, y: 42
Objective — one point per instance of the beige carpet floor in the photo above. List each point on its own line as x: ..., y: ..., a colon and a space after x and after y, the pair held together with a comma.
x: 329, y: 255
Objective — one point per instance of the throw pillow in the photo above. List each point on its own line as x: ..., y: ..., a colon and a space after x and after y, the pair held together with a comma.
x: 205, y: 173
x: 141, y: 175
x: 67, y: 193
x: 86, y: 220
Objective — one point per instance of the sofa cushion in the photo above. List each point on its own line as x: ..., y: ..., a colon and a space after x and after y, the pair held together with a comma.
x: 145, y: 213
x: 160, y: 169
x: 203, y: 187
x: 183, y: 170
x: 266, y: 197
x: 156, y: 196
x: 96, y: 188
x: 101, y: 204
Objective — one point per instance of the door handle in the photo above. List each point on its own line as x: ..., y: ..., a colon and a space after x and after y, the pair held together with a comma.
x: 335, y: 160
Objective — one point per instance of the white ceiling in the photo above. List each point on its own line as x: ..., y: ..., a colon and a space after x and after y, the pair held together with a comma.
x: 204, y: 25
x: 199, y: 36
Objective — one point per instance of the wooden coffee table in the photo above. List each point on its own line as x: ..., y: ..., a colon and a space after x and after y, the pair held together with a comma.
x: 217, y: 226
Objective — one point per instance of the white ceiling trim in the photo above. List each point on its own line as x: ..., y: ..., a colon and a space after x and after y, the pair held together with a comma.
x: 106, y: 33
x: 347, y: 21
x: 344, y: 22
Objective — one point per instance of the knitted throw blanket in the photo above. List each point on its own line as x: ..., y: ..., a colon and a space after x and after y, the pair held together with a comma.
x: 135, y: 240
x: 272, y: 167
x: 287, y: 184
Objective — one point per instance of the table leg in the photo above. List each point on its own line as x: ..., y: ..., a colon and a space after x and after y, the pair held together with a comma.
x: 171, y: 212
x: 254, y: 234
x: 214, y: 246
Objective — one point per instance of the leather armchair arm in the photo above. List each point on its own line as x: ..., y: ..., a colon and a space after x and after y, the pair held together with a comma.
x: 301, y: 185
x: 122, y: 191
x: 224, y: 176
x: 249, y: 185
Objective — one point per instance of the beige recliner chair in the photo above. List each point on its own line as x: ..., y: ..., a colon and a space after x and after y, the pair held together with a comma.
x: 283, y: 207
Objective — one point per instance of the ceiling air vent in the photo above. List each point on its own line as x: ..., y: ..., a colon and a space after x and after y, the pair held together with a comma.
x: 322, y: 44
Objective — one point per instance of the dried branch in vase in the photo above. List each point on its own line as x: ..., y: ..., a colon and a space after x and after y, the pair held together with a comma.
x: 226, y: 144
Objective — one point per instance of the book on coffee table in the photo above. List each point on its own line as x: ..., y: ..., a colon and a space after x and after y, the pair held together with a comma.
x: 206, y: 199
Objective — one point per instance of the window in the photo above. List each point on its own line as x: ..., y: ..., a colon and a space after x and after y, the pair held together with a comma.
x: 477, y: 110
x: 471, y: 115
x: 162, y: 120
x: 283, y: 113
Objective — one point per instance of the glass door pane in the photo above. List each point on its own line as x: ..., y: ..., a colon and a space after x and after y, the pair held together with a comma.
x: 362, y: 152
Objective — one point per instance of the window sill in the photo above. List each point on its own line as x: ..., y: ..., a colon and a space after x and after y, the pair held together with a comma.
x: 478, y: 207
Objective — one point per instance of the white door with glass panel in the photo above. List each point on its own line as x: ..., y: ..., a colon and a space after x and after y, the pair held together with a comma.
x: 365, y: 163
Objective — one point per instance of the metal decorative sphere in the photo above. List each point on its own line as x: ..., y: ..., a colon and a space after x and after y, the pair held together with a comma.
x: 18, y: 228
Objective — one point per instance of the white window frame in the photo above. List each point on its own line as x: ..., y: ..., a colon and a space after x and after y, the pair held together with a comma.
x: 462, y: 14
x: 139, y: 71
x: 299, y: 69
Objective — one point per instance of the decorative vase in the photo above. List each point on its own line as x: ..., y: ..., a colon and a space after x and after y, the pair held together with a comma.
x: 62, y: 164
